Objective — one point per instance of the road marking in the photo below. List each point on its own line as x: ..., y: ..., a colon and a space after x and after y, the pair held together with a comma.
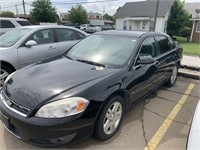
x: 153, y: 143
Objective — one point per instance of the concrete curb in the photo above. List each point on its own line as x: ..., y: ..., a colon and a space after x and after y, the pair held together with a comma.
x: 189, y: 73
x: 190, y: 67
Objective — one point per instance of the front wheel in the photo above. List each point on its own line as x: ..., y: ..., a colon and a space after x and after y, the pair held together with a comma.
x: 110, y: 118
x: 171, y: 81
x: 4, y: 72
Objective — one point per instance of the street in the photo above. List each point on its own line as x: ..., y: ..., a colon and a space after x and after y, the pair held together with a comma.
x: 144, y: 125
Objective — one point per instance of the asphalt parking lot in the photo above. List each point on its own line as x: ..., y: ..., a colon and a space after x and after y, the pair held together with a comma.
x: 160, y: 121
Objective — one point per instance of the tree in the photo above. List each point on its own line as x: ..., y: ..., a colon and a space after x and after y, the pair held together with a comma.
x: 108, y: 17
x: 7, y: 14
x: 178, y: 18
x: 43, y: 11
x: 78, y: 14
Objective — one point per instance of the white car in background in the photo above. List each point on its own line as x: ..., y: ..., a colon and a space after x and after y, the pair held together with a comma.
x: 7, y: 24
x: 194, y: 135
x: 84, y: 26
x: 25, y: 45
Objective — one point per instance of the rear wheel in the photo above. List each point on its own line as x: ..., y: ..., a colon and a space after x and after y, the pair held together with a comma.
x: 4, y: 73
x: 171, y: 81
x: 110, y: 118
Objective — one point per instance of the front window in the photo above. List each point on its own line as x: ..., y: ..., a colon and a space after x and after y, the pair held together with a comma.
x: 104, y: 49
x: 11, y: 37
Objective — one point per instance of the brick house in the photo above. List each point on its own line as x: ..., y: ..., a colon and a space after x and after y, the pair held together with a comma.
x: 195, y: 34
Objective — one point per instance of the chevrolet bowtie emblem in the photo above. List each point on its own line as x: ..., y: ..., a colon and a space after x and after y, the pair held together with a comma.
x: 9, y: 102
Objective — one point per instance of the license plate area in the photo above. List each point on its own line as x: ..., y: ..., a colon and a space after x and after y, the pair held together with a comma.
x: 5, y: 120
x: 14, y: 130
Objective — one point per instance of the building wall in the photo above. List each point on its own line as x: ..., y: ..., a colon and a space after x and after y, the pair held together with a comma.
x: 119, y: 25
x: 96, y: 22
x: 136, y: 24
x: 160, y: 24
x: 196, y: 35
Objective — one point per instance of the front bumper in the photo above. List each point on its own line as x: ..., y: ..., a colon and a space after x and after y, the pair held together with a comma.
x: 47, y: 132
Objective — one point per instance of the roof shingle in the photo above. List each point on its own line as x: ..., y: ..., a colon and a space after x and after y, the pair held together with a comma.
x: 144, y: 9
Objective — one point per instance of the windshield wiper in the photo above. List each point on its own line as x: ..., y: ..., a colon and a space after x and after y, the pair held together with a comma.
x: 91, y: 62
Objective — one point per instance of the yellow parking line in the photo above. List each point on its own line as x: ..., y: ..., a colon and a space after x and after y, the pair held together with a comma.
x: 153, y: 143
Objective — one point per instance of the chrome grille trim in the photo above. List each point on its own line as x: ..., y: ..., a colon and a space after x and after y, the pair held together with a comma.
x: 5, y: 99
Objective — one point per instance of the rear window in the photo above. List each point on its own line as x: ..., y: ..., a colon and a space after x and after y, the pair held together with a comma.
x: 24, y: 23
x: 6, y: 24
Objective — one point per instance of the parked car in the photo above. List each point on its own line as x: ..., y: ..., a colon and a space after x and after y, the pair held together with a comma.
x: 194, y: 134
x: 26, y: 45
x: 7, y: 24
x: 87, y: 90
x: 84, y: 26
x: 94, y: 29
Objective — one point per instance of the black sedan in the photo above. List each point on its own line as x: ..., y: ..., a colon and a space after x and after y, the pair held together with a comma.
x: 87, y: 90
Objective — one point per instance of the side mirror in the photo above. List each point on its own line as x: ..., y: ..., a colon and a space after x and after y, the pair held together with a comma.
x: 174, y: 38
x: 30, y: 43
x: 148, y: 59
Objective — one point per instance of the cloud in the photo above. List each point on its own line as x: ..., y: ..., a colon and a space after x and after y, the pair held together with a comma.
x: 110, y: 7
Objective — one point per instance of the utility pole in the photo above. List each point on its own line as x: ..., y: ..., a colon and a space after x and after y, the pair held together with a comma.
x: 24, y: 8
x: 156, y: 14
x: 16, y: 10
x: 0, y: 10
x: 103, y: 11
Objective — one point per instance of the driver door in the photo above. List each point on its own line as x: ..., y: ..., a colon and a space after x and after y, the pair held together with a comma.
x: 45, y: 48
x: 144, y: 77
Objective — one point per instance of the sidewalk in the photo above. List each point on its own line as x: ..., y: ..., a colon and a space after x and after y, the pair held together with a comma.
x: 190, y: 67
x: 191, y: 61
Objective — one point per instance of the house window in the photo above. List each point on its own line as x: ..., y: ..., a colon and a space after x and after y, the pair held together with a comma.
x: 198, y: 27
x: 125, y: 25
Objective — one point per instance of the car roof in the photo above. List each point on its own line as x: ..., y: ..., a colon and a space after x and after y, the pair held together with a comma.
x: 129, y: 33
x: 6, y: 18
x: 46, y: 26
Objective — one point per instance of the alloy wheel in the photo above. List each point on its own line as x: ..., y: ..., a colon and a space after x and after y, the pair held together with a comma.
x: 174, y: 74
x: 3, y: 75
x: 112, y: 118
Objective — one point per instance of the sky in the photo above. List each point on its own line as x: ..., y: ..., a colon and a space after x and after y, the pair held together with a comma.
x: 109, y: 6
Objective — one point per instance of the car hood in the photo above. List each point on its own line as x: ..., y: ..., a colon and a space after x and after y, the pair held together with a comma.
x: 41, y: 82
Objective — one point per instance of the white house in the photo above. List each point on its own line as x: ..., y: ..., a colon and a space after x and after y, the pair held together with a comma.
x: 140, y: 15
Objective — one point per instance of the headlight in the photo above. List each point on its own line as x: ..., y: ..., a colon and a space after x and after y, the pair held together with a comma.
x: 9, y: 76
x: 63, y: 108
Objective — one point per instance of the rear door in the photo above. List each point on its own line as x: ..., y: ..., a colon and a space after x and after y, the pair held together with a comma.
x: 167, y: 55
x: 66, y: 38
x: 45, y: 48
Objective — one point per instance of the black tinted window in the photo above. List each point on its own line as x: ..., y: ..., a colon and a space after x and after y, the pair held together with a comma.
x: 6, y: 24
x: 149, y: 47
x: 172, y: 45
x: 43, y: 36
x: 163, y: 43
x: 80, y: 35
x: 24, y: 23
x: 66, y: 35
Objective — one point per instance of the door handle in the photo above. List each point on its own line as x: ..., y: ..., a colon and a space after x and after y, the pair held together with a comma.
x: 51, y: 47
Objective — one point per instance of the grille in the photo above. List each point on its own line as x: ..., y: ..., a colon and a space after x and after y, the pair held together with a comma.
x: 14, y: 105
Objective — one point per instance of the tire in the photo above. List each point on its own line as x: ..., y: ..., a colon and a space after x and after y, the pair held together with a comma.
x: 172, y: 80
x: 4, y: 73
x: 110, y: 116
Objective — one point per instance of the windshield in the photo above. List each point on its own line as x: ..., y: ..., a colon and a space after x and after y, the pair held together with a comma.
x: 104, y: 49
x: 11, y: 37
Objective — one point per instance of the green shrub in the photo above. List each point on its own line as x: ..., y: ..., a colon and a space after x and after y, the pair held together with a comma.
x: 185, y: 32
